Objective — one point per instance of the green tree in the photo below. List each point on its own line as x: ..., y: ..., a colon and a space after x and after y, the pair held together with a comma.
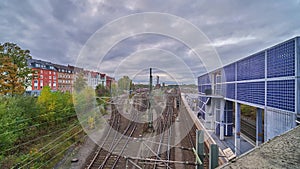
x: 124, y: 83
x: 102, y: 91
x: 55, y: 105
x: 102, y: 94
x: 80, y: 82
x: 113, y: 89
x: 12, y: 121
x: 15, y: 75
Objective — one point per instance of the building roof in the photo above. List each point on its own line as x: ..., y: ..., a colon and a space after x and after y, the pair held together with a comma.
x: 281, y: 152
x: 110, y: 78
x: 32, y: 63
x: 102, y: 75
x: 76, y: 69
x: 57, y: 66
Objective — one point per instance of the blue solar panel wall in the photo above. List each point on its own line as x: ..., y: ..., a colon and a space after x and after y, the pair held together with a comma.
x: 281, y: 60
x: 229, y: 72
x: 298, y: 74
x: 281, y: 94
x: 252, y: 92
x: 203, y: 79
x: 203, y: 85
x: 252, y: 67
x: 230, y: 90
x: 228, y: 118
x: 202, y: 101
x: 269, y: 79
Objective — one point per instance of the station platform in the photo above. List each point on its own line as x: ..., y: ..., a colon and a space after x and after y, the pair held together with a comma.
x: 228, y: 142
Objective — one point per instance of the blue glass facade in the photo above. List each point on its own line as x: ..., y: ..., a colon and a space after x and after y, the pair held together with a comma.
x: 281, y: 60
x: 275, y: 66
x: 228, y: 120
x: 230, y: 90
x: 203, y: 79
x: 281, y: 94
x: 252, y: 67
x: 253, y: 92
x: 269, y: 80
x: 229, y: 73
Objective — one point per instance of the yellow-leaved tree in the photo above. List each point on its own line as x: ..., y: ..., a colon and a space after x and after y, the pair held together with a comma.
x: 15, y: 75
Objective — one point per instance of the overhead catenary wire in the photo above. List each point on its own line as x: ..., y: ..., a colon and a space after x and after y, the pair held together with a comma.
x: 52, y: 148
x: 36, y: 139
x: 52, y: 142
x: 35, y: 125
x: 23, y: 120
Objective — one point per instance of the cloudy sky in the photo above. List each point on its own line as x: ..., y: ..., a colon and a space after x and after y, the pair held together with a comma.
x: 95, y: 34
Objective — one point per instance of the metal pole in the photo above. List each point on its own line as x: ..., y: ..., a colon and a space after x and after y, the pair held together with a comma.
x: 237, y: 128
x: 259, y: 132
x: 200, y: 147
x: 213, y: 156
x: 150, y: 116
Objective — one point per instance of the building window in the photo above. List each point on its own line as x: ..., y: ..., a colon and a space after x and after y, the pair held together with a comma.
x: 41, y: 71
x: 41, y: 76
x: 50, y: 77
x: 54, y: 84
x: 50, y: 72
x: 35, y: 87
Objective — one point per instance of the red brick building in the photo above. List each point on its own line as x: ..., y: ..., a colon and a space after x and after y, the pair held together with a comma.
x: 62, y: 78
x: 45, y: 75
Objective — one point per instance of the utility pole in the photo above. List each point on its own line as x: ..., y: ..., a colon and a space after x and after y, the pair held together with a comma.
x: 150, y: 115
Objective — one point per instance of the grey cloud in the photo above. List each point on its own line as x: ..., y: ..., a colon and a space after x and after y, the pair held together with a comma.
x: 57, y: 30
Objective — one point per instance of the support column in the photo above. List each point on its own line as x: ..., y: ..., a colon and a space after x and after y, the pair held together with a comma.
x: 222, y: 117
x: 200, y: 147
x: 213, y: 111
x: 265, y: 124
x: 259, y: 126
x: 213, y: 156
x: 237, y: 133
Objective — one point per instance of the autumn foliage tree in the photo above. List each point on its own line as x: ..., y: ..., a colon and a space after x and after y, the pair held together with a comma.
x: 14, y: 73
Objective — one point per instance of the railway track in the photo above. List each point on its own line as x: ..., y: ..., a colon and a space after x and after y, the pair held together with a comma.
x: 248, y: 128
x: 114, y: 142
x: 157, y: 152
x: 164, y: 147
x: 160, y: 149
